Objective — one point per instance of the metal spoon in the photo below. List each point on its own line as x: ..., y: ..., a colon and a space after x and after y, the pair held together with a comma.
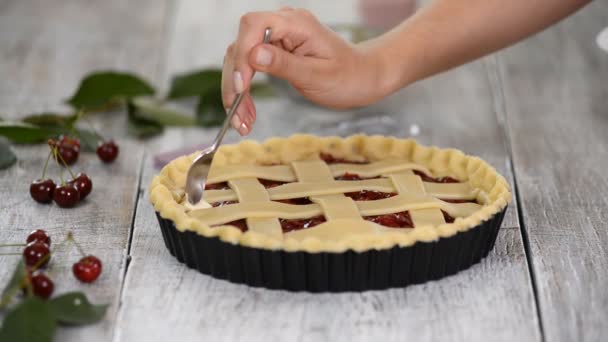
x: 199, y: 170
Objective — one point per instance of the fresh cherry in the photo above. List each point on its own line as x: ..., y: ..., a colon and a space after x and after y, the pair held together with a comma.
x: 42, y: 286
x: 36, y: 254
x: 41, y: 190
x: 69, y: 140
x: 68, y: 150
x: 66, y: 196
x: 83, y: 184
x: 107, y: 151
x: 87, y: 269
x: 39, y: 235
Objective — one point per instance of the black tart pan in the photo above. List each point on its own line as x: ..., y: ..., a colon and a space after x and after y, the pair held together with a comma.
x: 332, y: 272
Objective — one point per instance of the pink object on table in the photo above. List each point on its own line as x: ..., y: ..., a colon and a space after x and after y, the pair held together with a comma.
x: 163, y: 158
x: 385, y: 14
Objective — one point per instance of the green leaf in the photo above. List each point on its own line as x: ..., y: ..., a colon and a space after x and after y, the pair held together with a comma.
x: 21, y: 132
x: 262, y: 89
x: 210, y: 108
x: 141, y: 127
x: 195, y: 83
x: 74, y: 308
x: 151, y: 109
x: 51, y: 120
x: 31, y: 321
x: 102, y: 88
x: 15, y: 284
x: 88, y: 140
x: 7, y: 156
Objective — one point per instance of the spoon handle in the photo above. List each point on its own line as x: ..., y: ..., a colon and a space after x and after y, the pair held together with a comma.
x: 228, y: 120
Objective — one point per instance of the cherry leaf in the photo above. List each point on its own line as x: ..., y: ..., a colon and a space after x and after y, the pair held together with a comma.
x: 142, y: 127
x: 151, y: 109
x: 210, y: 108
x: 74, y: 308
x: 7, y: 156
x: 21, y: 132
x: 52, y: 120
x: 194, y: 83
x: 14, y: 285
x: 104, y: 88
x: 31, y: 320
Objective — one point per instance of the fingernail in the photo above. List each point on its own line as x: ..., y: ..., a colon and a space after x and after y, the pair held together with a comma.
x: 263, y: 57
x: 236, y: 122
x: 238, y: 82
x: 243, y: 129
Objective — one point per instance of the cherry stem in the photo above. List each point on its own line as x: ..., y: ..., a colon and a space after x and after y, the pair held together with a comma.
x: 12, y: 245
x: 64, y: 164
x: 46, y: 164
x: 80, y: 250
x: 2, y: 254
x: 61, y: 177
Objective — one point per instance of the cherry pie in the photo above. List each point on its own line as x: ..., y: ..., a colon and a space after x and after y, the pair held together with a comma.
x: 333, y: 214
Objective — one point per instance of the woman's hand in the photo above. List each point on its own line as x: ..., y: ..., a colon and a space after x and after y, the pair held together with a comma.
x: 317, y: 62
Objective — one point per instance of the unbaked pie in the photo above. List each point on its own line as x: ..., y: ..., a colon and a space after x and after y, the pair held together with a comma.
x: 333, y: 214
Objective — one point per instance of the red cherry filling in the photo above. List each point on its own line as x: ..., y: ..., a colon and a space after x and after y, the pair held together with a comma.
x: 297, y: 224
x: 368, y: 195
x: 397, y: 220
x: 427, y: 178
x: 267, y: 183
x: 222, y: 203
x: 240, y: 224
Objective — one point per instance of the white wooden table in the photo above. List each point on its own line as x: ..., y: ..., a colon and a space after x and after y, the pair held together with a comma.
x: 538, y: 112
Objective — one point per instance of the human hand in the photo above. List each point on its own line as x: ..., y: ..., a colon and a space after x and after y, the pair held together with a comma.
x: 318, y: 63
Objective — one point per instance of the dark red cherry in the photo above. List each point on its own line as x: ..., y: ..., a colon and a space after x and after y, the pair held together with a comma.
x: 39, y: 235
x: 83, y: 184
x: 41, y: 190
x: 107, y: 151
x: 68, y: 151
x: 42, y: 286
x: 87, y: 269
x: 36, y: 254
x: 69, y: 140
x: 66, y: 196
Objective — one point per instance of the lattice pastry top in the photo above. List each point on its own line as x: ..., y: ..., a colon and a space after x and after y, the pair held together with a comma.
x: 333, y: 194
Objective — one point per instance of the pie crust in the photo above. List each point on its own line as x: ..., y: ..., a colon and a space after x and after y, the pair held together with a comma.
x: 296, y: 160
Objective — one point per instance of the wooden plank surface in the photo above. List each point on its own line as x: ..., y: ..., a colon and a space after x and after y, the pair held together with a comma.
x: 164, y: 300
x: 101, y: 224
x: 46, y: 47
x: 556, y: 94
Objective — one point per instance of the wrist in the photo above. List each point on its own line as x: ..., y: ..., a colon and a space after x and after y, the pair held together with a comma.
x: 384, y: 74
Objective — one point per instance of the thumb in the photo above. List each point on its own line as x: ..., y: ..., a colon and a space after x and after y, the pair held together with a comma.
x: 279, y: 63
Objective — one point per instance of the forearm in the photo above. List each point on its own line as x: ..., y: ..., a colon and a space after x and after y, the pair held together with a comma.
x: 448, y: 33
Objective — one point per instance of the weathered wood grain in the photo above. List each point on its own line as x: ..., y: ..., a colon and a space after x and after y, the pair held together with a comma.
x: 46, y: 48
x: 557, y: 109
x: 163, y: 299
x: 101, y: 224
